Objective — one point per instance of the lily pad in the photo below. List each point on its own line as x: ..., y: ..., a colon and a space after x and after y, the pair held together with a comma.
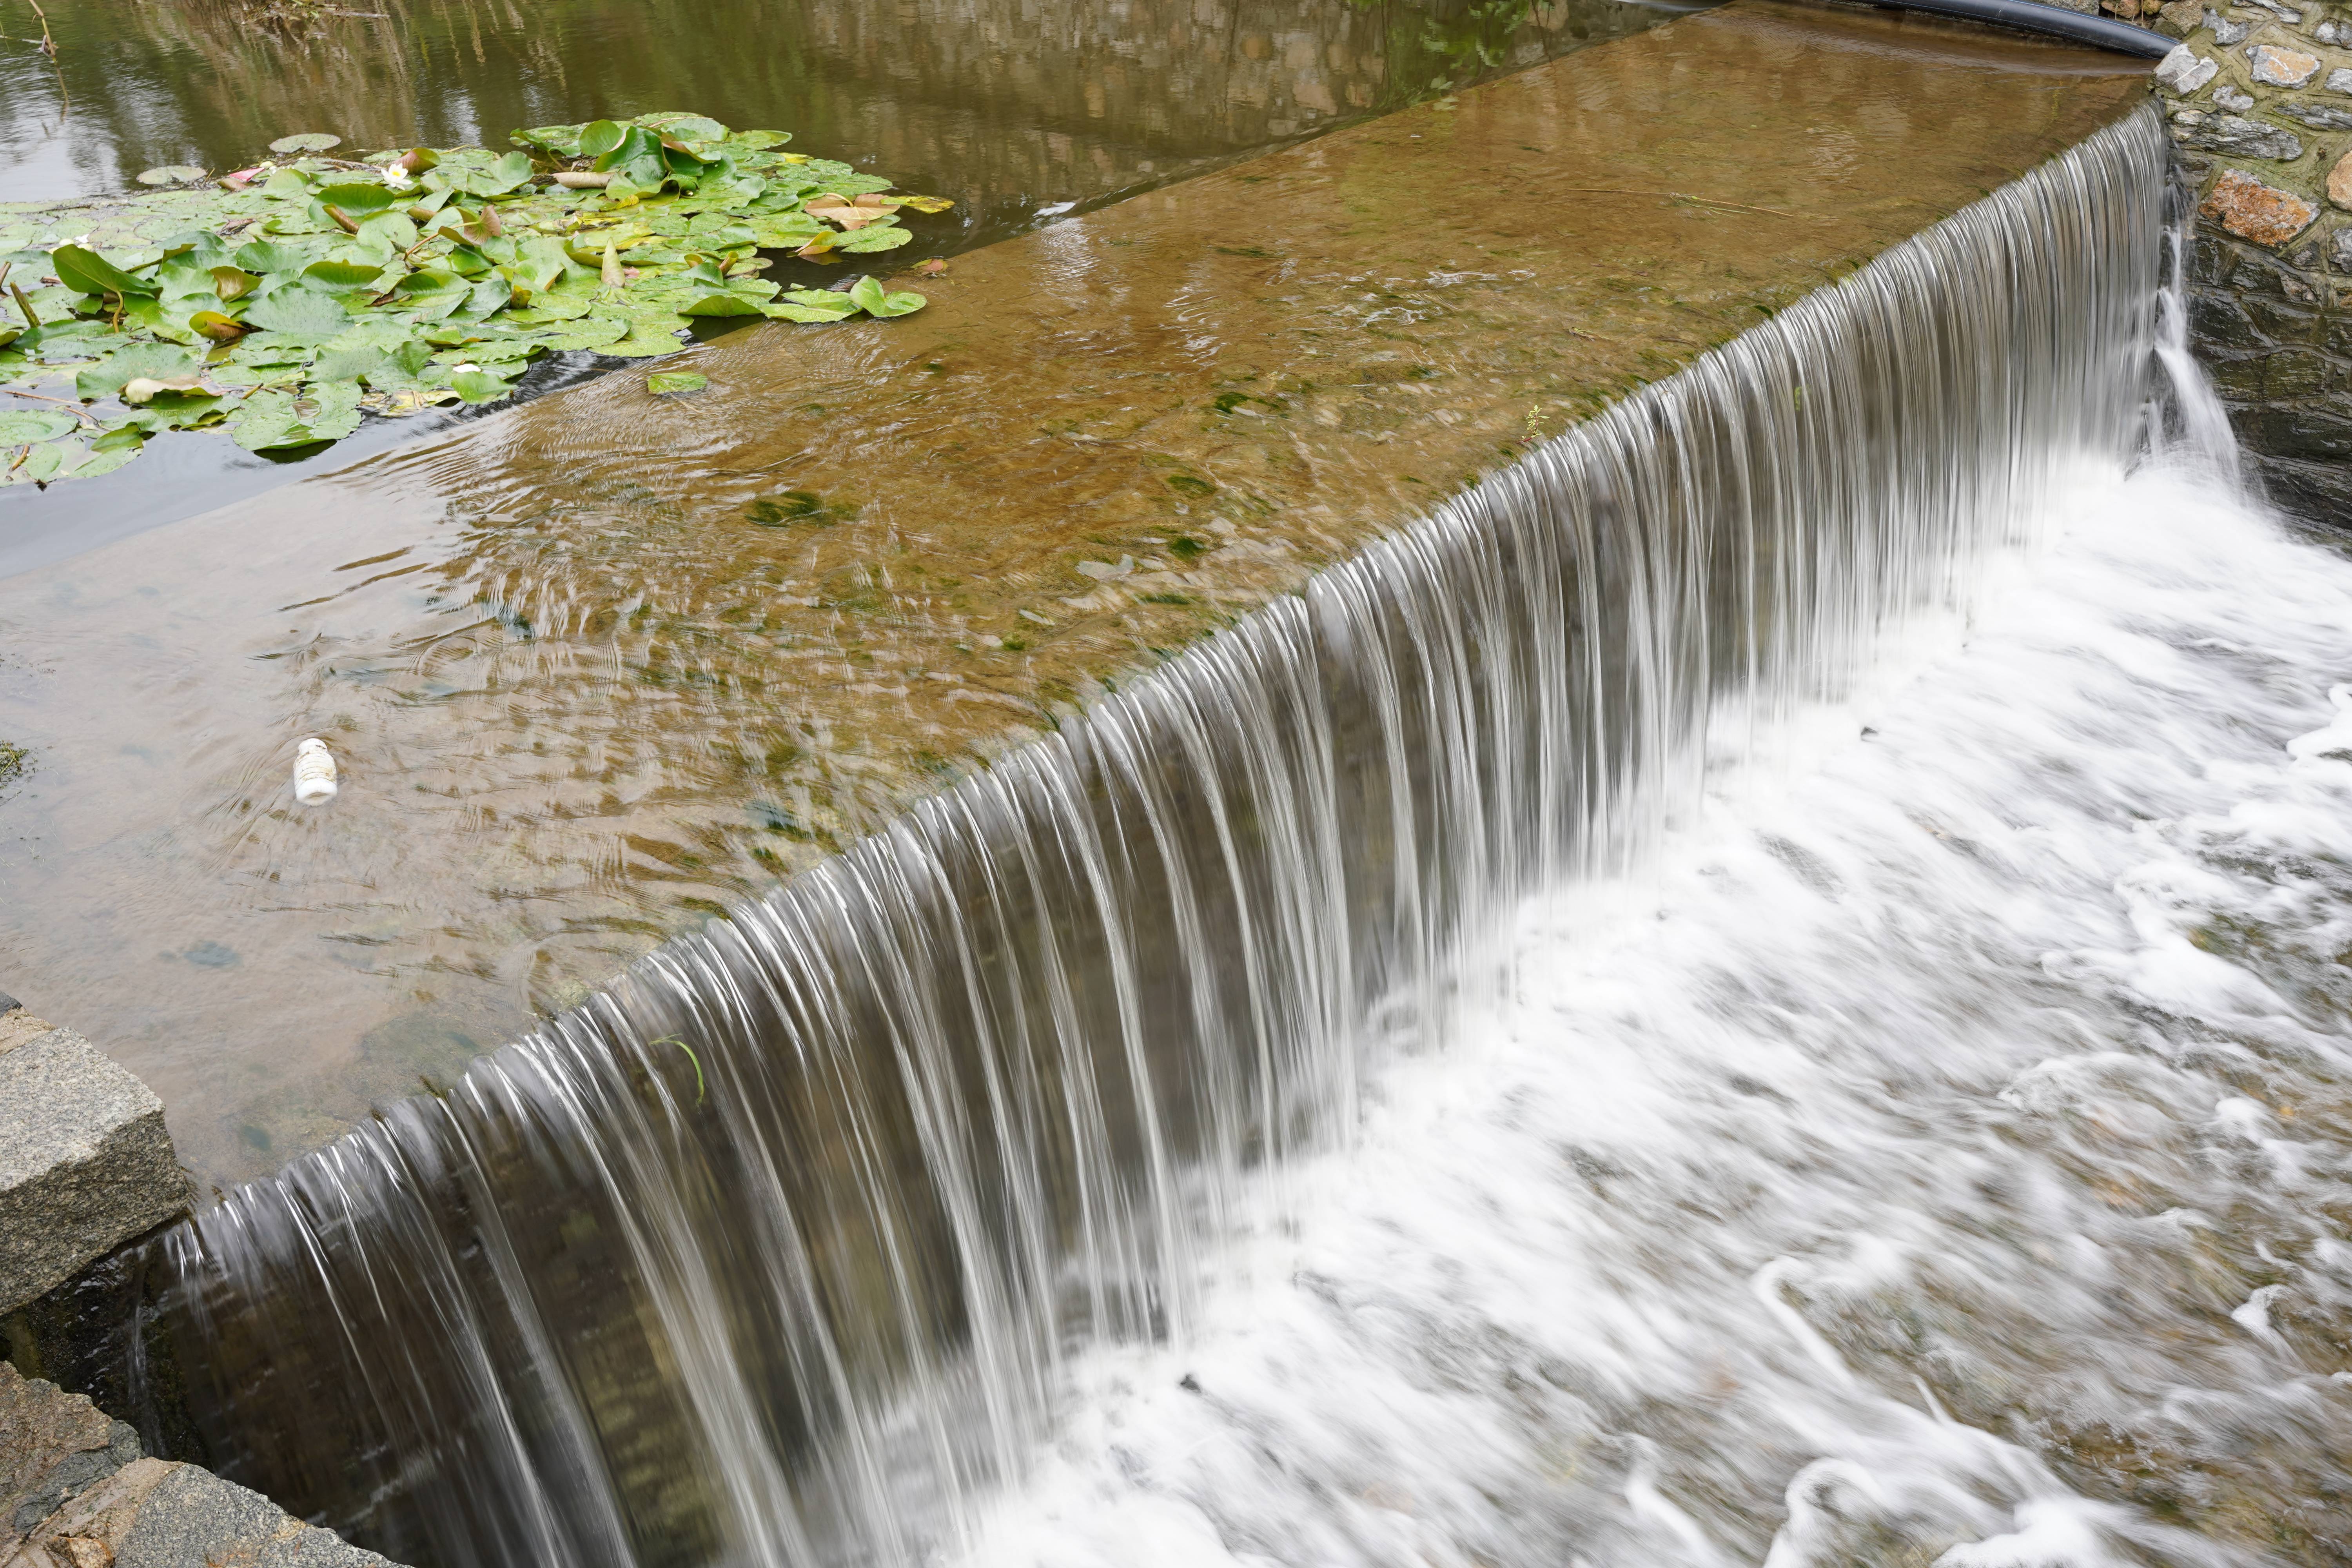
x: 293, y: 297
x: 18, y: 426
x: 91, y: 273
x: 867, y: 296
x: 667, y: 381
x: 170, y: 175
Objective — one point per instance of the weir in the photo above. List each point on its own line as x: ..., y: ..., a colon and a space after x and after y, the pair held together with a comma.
x: 775, y: 1251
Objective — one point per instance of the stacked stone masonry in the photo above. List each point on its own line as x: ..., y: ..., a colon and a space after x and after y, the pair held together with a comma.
x: 75, y: 1493
x: 2259, y: 100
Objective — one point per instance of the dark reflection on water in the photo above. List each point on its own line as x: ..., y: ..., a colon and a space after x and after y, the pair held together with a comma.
x: 1019, y: 110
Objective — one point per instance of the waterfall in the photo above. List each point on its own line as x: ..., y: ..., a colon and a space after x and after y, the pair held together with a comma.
x: 774, y: 1252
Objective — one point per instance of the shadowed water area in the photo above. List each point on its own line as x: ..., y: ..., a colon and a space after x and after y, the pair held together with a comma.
x: 597, y: 666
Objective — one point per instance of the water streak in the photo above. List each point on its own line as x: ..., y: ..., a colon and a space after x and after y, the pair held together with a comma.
x: 778, y: 1252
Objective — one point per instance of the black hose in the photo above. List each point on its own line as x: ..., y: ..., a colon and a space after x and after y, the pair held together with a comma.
x: 2101, y: 32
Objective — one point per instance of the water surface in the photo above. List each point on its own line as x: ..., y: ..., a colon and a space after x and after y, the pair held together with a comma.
x: 597, y: 666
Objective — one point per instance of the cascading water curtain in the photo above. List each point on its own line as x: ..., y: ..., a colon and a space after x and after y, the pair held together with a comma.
x: 771, y: 1255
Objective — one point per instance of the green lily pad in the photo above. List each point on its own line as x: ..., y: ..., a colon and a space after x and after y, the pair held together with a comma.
x: 867, y: 295
x: 339, y: 276
x: 306, y: 141
x: 153, y: 362
x: 301, y: 315
x: 90, y: 273
x: 667, y: 381
x: 303, y: 319
x: 18, y: 426
x: 170, y: 175
x: 478, y: 386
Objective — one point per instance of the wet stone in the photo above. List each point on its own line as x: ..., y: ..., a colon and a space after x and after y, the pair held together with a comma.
x: 75, y: 1492
x: 85, y: 1163
x: 2282, y: 67
x: 2340, y: 187
x: 2318, y: 116
x: 2252, y: 210
x: 2231, y: 99
x: 2235, y: 135
x: 2184, y: 70
x: 2220, y: 323
x: 2226, y: 33
x: 2340, y: 79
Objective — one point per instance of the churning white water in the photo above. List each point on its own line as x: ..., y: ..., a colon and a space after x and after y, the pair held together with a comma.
x: 1939, y: 1157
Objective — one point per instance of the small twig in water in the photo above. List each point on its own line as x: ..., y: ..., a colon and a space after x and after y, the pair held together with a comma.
x: 68, y: 403
x: 48, y: 45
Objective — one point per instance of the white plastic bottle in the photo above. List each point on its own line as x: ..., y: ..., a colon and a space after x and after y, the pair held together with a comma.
x: 314, y: 773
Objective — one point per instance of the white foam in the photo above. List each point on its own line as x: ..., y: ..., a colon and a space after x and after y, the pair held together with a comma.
x: 1913, y: 1088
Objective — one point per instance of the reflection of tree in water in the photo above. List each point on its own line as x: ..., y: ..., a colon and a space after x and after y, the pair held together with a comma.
x: 997, y: 101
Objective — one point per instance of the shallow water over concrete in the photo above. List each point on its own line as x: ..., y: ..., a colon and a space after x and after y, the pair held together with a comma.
x: 1020, y: 112
x: 602, y: 663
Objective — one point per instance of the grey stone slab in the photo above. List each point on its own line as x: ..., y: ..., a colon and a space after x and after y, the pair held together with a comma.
x: 85, y: 1163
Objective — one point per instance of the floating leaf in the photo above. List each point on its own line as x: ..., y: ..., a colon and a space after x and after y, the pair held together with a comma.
x: 170, y: 175
x: 668, y: 381
x: 329, y: 291
x: 728, y: 304
x: 867, y: 296
x: 360, y: 198
x: 301, y: 314
x: 597, y: 137
x: 306, y: 141
x: 339, y: 276
x: 138, y: 361
x: 90, y: 273
x: 478, y: 386
x: 18, y: 426
x: 925, y: 204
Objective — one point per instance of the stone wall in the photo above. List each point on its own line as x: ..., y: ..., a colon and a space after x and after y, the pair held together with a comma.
x: 2259, y: 99
x: 77, y: 1492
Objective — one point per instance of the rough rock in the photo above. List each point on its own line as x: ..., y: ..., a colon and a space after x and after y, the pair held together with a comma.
x: 2235, y: 135
x: 76, y: 1494
x: 2227, y: 33
x: 2340, y: 79
x: 17, y: 1026
x: 2340, y: 250
x: 2252, y: 210
x: 85, y: 1163
x: 2281, y: 68
x: 2231, y: 99
x: 2184, y: 70
x: 2339, y: 189
x: 2318, y: 116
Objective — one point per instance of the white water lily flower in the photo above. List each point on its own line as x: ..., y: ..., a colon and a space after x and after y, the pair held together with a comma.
x: 395, y: 176
x: 462, y: 369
